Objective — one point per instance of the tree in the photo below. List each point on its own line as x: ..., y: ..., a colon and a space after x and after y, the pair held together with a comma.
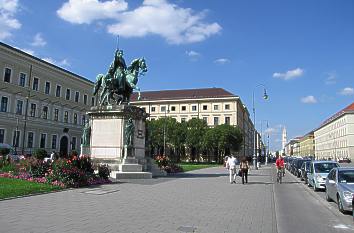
x: 194, y: 137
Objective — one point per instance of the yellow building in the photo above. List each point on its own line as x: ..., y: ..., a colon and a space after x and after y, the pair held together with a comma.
x: 307, y: 145
x: 42, y: 105
x: 214, y: 105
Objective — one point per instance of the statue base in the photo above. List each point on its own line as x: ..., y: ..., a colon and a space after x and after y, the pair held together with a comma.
x: 107, y: 143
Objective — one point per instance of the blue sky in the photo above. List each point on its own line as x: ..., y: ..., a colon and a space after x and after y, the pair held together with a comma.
x: 302, y: 51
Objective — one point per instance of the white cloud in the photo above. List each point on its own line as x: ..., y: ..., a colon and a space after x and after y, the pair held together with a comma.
x: 8, y: 22
x: 347, y: 91
x: 87, y: 11
x: 38, y: 40
x: 193, y: 55
x: 154, y: 17
x: 222, y: 61
x: 270, y: 130
x: 309, y: 99
x: 290, y: 74
x: 331, y: 79
x: 62, y: 63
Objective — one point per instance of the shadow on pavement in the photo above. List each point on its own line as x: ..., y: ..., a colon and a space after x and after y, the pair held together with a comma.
x: 266, y: 183
x: 195, y: 175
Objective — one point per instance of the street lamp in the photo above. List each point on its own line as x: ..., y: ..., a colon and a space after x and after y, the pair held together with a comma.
x: 265, y: 96
x: 164, y: 130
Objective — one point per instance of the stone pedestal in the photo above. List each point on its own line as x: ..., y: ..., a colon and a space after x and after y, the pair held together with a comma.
x: 107, y: 140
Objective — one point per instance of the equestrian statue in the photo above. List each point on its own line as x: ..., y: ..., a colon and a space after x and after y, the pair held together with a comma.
x: 120, y: 81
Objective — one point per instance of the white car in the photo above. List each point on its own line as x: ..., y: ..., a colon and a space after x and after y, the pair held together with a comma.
x: 316, y: 177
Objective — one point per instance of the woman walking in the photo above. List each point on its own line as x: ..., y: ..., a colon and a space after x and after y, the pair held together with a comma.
x: 244, y: 170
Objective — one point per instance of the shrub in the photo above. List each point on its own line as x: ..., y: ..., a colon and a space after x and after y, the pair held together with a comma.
x: 4, y: 151
x: 104, y: 171
x: 165, y: 164
x: 64, y: 171
x: 40, y: 154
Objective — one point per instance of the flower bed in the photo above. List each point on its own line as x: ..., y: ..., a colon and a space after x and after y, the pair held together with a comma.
x: 165, y: 164
x: 73, y: 172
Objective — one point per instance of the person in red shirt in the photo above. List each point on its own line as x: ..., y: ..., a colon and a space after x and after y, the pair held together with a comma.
x: 279, y: 163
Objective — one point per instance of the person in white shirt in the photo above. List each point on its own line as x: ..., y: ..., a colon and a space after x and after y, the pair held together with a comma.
x: 231, y: 165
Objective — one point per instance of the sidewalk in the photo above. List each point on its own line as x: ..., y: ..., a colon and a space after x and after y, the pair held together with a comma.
x: 201, y: 200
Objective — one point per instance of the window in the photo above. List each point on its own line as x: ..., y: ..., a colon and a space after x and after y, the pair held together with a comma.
x: 205, y: 107
x: 66, y: 116
x: 77, y: 96
x: 45, y: 112
x: 22, y: 81
x: 33, y: 110
x: 205, y: 119
x: 85, y: 99
x: 216, y: 120
x: 57, y: 91
x: 16, y: 138
x: 7, y: 75
x: 75, y: 118
x: 163, y: 108
x: 153, y: 109
x: 227, y: 106
x: 19, y: 107
x: 56, y: 114
x: 30, y: 140
x: 67, y: 95
x: 54, y: 141
x: 194, y: 108
x: 216, y: 107
x: 184, y: 108
x: 2, y: 135
x: 47, y: 88
x: 92, y: 101
x: 43, y: 139
x: 173, y: 108
x: 183, y: 119
x: 227, y: 120
x: 83, y: 120
x: 73, y: 143
x: 35, y: 84
x: 4, y: 101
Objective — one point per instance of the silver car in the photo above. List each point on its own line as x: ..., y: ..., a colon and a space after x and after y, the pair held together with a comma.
x: 340, y: 187
x: 318, y: 171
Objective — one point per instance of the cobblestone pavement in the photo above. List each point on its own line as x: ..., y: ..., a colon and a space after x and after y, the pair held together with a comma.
x: 202, y: 201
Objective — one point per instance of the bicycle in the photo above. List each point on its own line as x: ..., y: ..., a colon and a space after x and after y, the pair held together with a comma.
x: 280, y: 173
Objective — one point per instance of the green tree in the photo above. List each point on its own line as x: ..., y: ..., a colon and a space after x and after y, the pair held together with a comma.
x: 230, y: 139
x: 194, y: 137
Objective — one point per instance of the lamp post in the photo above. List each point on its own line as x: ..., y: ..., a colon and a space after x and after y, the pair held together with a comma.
x: 164, y: 131
x: 265, y: 96
x: 267, y: 146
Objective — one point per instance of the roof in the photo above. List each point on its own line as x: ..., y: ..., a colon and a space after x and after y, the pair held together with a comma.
x: 183, y: 94
x: 348, y: 109
x: 40, y: 60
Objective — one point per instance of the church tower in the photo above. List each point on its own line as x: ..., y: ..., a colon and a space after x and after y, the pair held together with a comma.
x: 283, y: 139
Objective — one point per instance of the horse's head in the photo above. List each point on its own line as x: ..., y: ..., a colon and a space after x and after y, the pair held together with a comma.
x: 142, y: 65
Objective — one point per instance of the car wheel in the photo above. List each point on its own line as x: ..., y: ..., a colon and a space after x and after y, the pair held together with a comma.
x: 314, y: 187
x: 327, y: 197
x: 340, y: 204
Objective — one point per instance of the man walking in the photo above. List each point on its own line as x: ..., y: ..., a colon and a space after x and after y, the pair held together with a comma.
x: 231, y: 165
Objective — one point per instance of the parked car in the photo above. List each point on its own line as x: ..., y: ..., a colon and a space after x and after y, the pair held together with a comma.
x: 340, y: 187
x: 297, y: 166
x: 305, y: 167
x: 316, y: 177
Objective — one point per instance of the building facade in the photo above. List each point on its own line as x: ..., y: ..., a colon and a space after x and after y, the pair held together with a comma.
x: 214, y: 105
x: 334, y: 139
x: 42, y: 105
x: 307, y: 145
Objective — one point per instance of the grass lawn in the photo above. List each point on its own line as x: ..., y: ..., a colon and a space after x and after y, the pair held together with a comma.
x: 195, y: 166
x: 15, y: 187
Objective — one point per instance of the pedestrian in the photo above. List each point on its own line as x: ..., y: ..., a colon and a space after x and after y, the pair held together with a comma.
x: 231, y: 165
x: 244, y: 166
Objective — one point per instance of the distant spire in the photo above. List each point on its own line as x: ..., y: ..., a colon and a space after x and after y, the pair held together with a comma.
x: 284, y: 139
x: 118, y: 42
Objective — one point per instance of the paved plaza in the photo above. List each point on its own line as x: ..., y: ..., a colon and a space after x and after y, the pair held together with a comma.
x: 201, y: 200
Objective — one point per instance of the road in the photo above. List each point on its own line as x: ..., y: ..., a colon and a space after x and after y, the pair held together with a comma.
x: 300, y: 209
x: 198, y: 201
